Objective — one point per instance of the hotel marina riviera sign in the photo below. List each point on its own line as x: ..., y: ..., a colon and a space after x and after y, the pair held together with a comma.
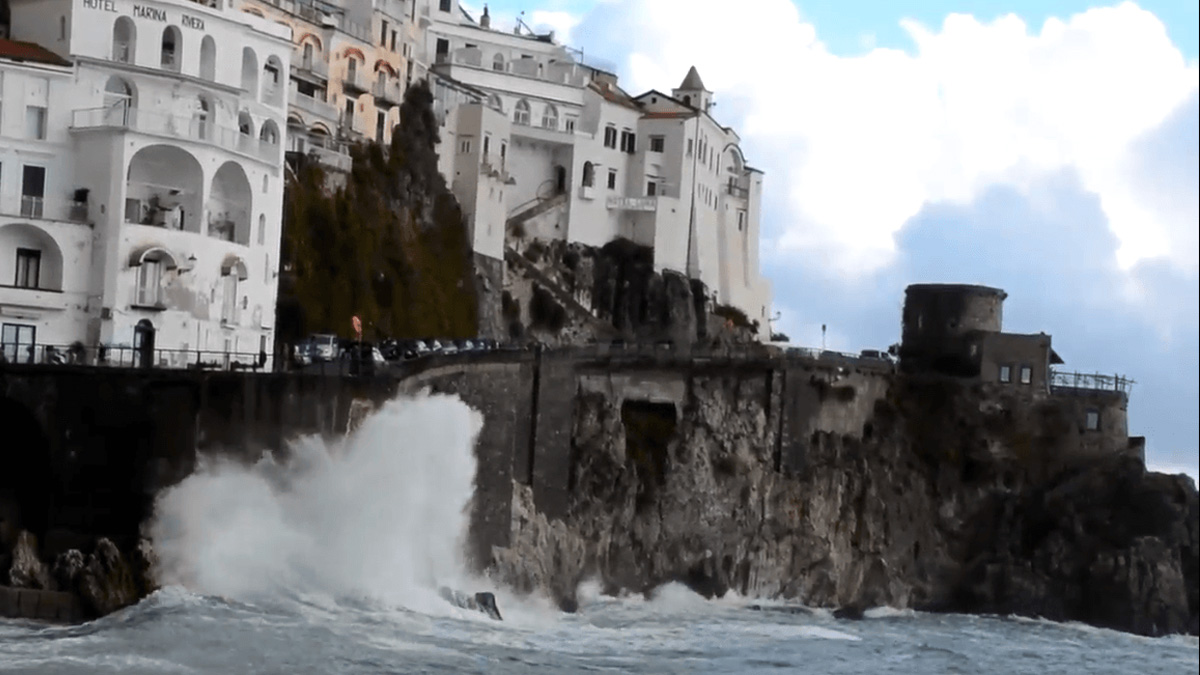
x: 143, y: 12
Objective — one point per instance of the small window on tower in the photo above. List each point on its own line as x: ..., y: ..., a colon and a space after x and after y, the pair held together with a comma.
x: 657, y: 143
x: 1026, y: 374
x: 1006, y: 373
x: 1093, y: 420
x: 612, y: 179
x: 651, y: 189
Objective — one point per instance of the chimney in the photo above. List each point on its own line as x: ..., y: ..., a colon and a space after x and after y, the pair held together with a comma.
x: 485, y: 21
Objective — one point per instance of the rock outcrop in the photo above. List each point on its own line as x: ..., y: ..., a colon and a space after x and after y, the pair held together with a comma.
x: 26, y: 570
x: 943, y: 500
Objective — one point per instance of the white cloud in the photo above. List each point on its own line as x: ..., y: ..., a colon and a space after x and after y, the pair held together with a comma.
x: 561, y: 22
x: 854, y: 146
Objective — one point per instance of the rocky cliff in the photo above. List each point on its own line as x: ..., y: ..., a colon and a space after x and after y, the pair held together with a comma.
x: 947, y: 498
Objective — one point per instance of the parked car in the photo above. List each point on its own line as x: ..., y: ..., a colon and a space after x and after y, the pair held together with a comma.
x: 323, y: 347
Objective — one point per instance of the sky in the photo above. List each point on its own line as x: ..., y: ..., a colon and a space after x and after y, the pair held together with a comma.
x: 1050, y: 149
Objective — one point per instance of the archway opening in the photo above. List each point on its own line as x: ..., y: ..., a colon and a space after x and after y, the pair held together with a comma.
x: 172, y: 49
x: 33, y: 259
x: 229, y: 204
x: 249, y: 71
x: 208, y: 58
x: 124, y: 40
x: 163, y: 188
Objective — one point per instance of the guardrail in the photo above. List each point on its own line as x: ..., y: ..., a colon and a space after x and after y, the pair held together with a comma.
x: 1090, y: 382
x: 132, y: 357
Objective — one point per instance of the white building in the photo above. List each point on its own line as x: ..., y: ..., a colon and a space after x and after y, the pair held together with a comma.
x: 151, y: 189
x: 592, y: 162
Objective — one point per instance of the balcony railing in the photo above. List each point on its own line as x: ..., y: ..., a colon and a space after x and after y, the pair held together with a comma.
x: 313, y: 68
x: 633, y: 203
x: 737, y: 191
x: 67, y: 210
x: 1067, y: 382
x: 161, y: 124
x: 331, y: 158
x: 313, y: 106
x: 131, y: 357
x: 388, y: 92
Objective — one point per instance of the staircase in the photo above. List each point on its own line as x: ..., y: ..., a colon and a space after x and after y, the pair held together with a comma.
x: 533, y: 209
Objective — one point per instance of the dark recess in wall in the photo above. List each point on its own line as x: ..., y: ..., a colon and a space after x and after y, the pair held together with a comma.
x: 649, y: 429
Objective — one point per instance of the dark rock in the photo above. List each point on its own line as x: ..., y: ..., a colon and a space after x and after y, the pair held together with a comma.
x: 144, y: 561
x: 106, y: 582
x: 849, y: 612
x: 26, y: 570
x: 67, y: 567
x: 482, y: 602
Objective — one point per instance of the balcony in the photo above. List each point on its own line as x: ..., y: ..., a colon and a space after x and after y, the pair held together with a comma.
x: 313, y: 106
x: 352, y: 125
x: 354, y: 82
x: 173, y: 126
x: 311, y: 70
x: 62, y: 210
x: 387, y: 92
x: 36, y: 298
x: 737, y: 191
x: 333, y: 159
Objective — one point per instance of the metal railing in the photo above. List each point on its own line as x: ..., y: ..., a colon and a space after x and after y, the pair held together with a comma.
x: 313, y: 105
x: 1090, y: 382
x: 178, y: 126
x: 387, y: 91
x: 331, y: 158
x: 67, y: 210
x: 105, y: 356
x: 313, y: 65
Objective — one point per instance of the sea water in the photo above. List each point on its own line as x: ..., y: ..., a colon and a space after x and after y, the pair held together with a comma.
x: 329, y: 562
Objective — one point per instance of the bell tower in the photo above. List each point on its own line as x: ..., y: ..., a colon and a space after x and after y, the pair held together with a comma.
x: 692, y: 92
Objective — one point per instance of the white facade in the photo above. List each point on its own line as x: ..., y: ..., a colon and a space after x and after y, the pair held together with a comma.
x: 164, y: 198
x: 656, y: 169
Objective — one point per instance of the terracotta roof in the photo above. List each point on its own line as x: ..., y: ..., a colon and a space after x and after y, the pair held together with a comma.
x: 613, y: 95
x: 28, y: 51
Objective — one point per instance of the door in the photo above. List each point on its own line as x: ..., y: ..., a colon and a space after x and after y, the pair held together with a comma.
x: 143, y: 343
x: 33, y: 189
x: 17, y: 341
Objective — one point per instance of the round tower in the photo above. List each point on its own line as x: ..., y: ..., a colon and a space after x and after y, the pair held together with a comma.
x: 942, y: 322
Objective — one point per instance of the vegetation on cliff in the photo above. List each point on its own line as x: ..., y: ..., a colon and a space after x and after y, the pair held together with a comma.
x: 390, y: 246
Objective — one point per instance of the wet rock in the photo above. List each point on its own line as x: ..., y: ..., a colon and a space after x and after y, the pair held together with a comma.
x: 144, y: 560
x: 26, y: 570
x: 106, y: 583
x: 67, y: 567
x: 849, y: 613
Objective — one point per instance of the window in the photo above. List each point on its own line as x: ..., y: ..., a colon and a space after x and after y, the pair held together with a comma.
x: 657, y: 143
x: 443, y: 50
x: 689, y: 147
x: 498, y: 63
x: 610, y: 137
x: 35, y: 122
x: 628, y: 141
x: 393, y: 47
x: 589, y: 174
x: 29, y: 267
x: 569, y: 125
x: 62, y: 28
x: 149, y: 283
x: 521, y: 114
x: 487, y: 144
x: 16, y: 342
x: 262, y: 229
x: 352, y: 70
x: 651, y: 188
x: 550, y: 117
x: 33, y: 189
x: 444, y: 5
x: 1026, y: 374
x: 124, y: 34
x: 383, y: 33
x: 1092, y: 421
x: 1006, y: 373
x: 171, y: 39
x: 464, y: 146
x: 612, y: 179
x: 741, y: 220
x: 380, y: 125
x: 229, y: 308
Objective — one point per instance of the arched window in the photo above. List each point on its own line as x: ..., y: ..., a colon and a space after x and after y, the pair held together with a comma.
x: 249, y: 71
x: 589, y: 174
x: 172, y: 49
x: 270, y: 133
x: 521, y: 114
x: 118, y: 94
x: 262, y: 229
x: 550, y: 117
x: 245, y: 124
x: 687, y: 100
x: 495, y: 103
x: 498, y: 63
x: 272, y: 89
x: 208, y: 58
x: 124, y: 40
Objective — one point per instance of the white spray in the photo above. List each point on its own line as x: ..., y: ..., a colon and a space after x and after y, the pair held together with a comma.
x: 380, y: 515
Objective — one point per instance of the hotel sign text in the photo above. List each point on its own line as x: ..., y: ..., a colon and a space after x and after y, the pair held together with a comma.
x: 145, y: 12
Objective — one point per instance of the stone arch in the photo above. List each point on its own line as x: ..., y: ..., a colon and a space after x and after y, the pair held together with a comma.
x: 171, y: 54
x: 521, y: 113
x: 249, y: 71
x: 496, y: 103
x: 550, y: 117
x: 164, y: 187
x: 253, y: 11
x: 48, y: 272
x: 124, y: 48
x: 208, y: 59
x: 312, y: 39
x: 230, y: 202
x: 28, y: 480
x: 119, y: 98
